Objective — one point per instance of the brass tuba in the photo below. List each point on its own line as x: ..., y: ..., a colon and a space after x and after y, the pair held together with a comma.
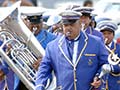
x: 20, y: 49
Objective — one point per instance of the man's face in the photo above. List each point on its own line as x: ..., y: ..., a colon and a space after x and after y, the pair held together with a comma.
x: 85, y: 20
x: 109, y: 35
x: 34, y: 27
x: 72, y: 30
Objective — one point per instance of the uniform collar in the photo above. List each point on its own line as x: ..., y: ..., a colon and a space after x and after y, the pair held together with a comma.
x: 110, y: 44
x: 73, y: 40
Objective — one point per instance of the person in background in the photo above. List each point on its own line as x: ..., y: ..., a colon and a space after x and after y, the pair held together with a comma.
x: 11, y: 2
x: 1, y: 1
x: 7, y: 76
x: 88, y: 3
x: 3, y: 71
x: 93, y: 23
x: 118, y: 40
x: 86, y: 19
x: 35, y: 23
x: 11, y: 80
x: 54, y: 22
x: 112, y: 79
x: 74, y: 58
x: 34, y: 2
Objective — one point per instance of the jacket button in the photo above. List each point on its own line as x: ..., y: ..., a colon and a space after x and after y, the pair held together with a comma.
x: 75, y: 80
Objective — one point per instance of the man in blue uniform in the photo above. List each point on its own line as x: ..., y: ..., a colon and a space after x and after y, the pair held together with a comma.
x: 108, y: 27
x: 35, y: 23
x: 73, y: 57
x: 86, y: 20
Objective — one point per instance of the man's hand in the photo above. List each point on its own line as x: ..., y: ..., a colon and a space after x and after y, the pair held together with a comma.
x: 37, y: 63
x: 1, y: 75
x: 96, y: 83
x: 9, y: 47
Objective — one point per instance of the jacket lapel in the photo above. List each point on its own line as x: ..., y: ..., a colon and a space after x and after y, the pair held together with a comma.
x: 88, y: 30
x: 81, y: 46
x: 64, y: 50
x: 113, y: 46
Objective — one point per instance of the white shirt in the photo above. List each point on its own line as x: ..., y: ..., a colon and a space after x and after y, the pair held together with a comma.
x: 75, y: 49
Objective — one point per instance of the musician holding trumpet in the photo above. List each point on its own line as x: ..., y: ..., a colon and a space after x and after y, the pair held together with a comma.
x: 108, y: 27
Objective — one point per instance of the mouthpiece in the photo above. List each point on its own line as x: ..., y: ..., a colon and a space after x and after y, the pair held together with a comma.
x: 34, y: 30
x: 106, y: 40
x: 82, y: 26
x: 68, y: 33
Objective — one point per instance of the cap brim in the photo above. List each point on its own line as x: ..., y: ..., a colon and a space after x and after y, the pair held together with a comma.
x: 68, y: 21
x: 70, y: 13
x: 35, y: 21
x: 86, y: 14
x: 107, y: 29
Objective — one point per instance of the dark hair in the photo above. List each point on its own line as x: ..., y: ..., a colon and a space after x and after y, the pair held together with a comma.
x: 95, y: 24
x: 87, y: 2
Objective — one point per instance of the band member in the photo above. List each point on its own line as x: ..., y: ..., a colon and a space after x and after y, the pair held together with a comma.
x: 54, y: 24
x: 88, y: 3
x: 35, y: 23
x: 86, y: 20
x: 74, y: 58
x: 23, y: 3
x: 108, y: 27
x: 7, y: 76
x: 9, y: 80
x: 3, y: 71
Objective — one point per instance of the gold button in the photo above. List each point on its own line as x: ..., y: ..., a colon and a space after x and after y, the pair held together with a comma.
x: 75, y: 80
x: 118, y: 81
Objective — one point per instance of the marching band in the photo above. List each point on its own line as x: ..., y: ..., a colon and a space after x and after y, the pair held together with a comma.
x: 83, y: 55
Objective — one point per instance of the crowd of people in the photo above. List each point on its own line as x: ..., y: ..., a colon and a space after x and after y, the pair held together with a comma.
x: 75, y: 51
